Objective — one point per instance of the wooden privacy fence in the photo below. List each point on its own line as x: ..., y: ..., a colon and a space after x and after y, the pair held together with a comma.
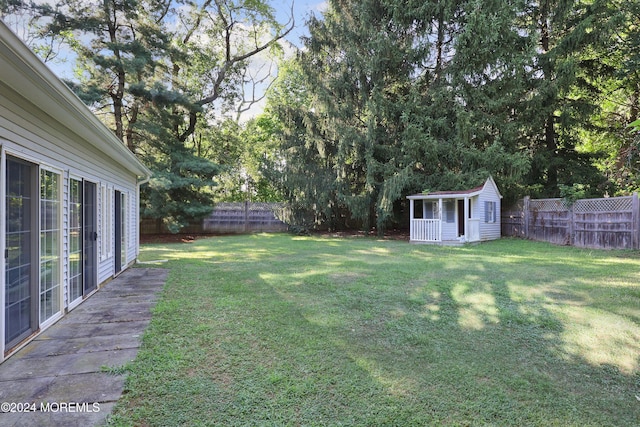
x: 609, y: 223
x: 241, y: 217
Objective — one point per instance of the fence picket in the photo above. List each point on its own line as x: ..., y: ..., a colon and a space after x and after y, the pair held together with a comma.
x: 241, y: 217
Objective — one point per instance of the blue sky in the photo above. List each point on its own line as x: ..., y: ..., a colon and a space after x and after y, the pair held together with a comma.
x: 301, y: 9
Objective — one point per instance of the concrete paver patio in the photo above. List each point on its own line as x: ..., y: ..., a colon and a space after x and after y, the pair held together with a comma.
x: 61, y: 374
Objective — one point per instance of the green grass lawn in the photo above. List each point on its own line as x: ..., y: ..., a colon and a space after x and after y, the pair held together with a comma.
x: 285, y: 330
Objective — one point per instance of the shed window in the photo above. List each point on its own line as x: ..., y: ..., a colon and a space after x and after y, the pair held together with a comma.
x: 489, y: 211
x: 431, y: 210
x: 450, y: 211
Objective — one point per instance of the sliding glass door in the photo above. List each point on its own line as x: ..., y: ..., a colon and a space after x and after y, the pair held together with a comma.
x: 21, y: 254
x: 76, y: 280
x: 83, y: 255
x: 90, y: 244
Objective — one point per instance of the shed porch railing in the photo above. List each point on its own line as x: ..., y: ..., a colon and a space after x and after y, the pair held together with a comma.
x: 426, y: 230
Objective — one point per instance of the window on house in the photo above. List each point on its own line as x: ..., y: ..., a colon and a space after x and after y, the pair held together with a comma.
x: 489, y: 211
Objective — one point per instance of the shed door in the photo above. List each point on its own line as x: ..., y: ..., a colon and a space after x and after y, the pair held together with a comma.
x: 21, y: 255
x: 461, y: 219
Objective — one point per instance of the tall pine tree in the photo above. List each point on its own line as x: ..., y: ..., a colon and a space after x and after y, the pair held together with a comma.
x: 159, y: 72
x: 395, y: 112
x: 559, y: 98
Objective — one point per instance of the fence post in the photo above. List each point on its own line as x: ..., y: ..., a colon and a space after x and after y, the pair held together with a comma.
x: 635, y: 219
x: 571, y: 225
x: 246, y: 216
x: 525, y: 216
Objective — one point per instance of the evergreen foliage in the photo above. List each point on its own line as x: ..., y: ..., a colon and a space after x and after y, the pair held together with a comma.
x: 615, y: 79
x: 161, y: 73
x: 387, y: 98
x: 395, y: 111
x: 405, y: 96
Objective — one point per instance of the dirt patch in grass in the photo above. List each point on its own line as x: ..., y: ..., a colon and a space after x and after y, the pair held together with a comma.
x: 388, y: 235
x: 191, y: 237
x: 172, y: 238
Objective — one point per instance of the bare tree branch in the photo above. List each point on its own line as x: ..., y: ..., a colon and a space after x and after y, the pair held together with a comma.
x: 247, y: 104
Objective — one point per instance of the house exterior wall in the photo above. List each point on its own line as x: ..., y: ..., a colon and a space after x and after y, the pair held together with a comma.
x: 33, y: 129
x: 489, y: 230
x: 33, y: 137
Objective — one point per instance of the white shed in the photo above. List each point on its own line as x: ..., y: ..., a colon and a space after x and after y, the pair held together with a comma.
x: 69, y: 197
x: 455, y: 217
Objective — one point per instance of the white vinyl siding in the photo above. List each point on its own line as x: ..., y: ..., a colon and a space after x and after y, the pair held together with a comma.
x: 132, y: 228
x: 490, y: 213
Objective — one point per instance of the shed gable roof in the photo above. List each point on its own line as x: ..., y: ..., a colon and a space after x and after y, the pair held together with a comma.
x: 457, y: 194
x: 23, y: 71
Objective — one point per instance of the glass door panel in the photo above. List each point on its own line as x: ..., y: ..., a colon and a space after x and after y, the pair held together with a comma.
x: 49, y: 244
x: 21, y: 269
x: 90, y: 249
x: 75, y: 240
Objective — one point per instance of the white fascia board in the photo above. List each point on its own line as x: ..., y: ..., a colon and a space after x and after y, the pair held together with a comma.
x: 443, y: 196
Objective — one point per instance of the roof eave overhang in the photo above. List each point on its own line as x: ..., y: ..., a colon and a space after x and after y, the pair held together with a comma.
x: 443, y: 196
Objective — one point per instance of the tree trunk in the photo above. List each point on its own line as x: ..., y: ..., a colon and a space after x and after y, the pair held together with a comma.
x: 550, y: 142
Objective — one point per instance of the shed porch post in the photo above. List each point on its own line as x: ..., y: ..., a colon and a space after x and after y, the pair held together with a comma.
x: 440, y: 218
x: 466, y: 218
x: 411, y: 216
